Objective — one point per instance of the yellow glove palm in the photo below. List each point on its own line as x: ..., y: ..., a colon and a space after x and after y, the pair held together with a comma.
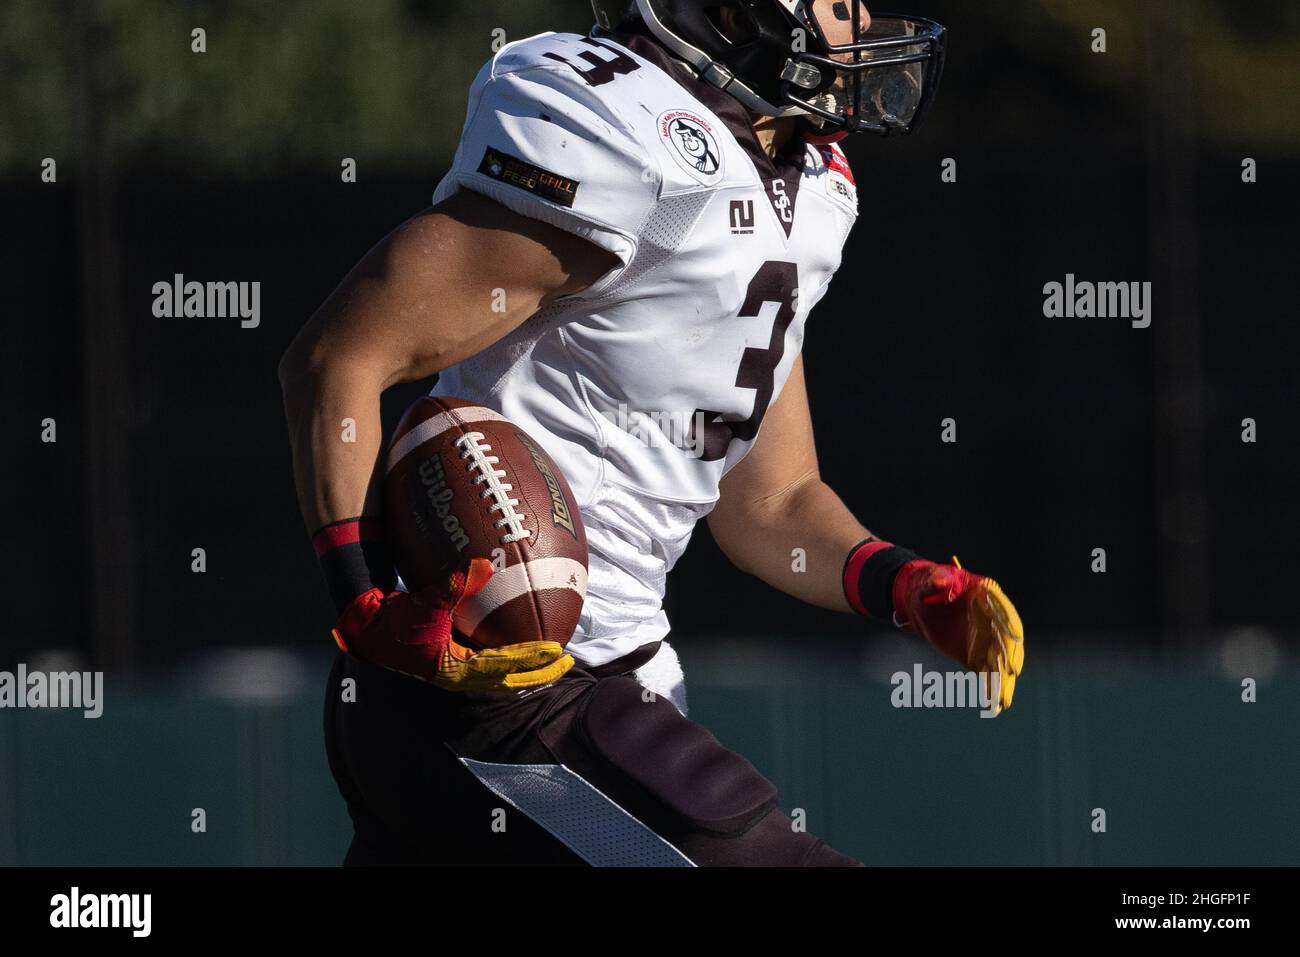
x: 969, y: 618
x: 528, y: 664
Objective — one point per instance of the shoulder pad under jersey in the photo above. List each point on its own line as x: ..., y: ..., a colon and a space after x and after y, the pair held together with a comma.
x: 543, y: 137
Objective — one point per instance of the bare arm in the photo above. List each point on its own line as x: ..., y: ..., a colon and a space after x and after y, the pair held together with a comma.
x: 775, y: 501
x: 421, y: 300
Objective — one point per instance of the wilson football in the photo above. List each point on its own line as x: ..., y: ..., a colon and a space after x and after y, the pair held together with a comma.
x: 463, y: 482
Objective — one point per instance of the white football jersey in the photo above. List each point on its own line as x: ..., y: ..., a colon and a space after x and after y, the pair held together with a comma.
x: 647, y: 387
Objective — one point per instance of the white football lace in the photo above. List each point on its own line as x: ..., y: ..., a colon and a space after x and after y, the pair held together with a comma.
x: 476, y: 451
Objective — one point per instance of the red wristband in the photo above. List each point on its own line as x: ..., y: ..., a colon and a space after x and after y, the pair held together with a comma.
x: 348, y: 531
x: 354, y: 558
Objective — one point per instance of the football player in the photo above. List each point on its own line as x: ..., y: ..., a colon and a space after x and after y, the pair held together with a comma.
x: 621, y: 261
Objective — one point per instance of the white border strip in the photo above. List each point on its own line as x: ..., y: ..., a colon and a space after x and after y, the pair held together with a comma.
x: 434, y: 426
x: 539, y: 574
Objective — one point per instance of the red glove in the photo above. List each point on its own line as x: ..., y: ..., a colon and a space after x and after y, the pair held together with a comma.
x: 967, y: 617
x: 411, y: 632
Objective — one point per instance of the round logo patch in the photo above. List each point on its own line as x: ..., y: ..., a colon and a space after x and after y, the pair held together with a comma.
x: 693, y: 143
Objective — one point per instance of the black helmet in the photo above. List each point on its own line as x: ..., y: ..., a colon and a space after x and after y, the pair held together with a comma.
x: 775, y: 57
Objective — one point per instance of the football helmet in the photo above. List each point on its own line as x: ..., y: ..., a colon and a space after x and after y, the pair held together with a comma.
x: 782, y: 58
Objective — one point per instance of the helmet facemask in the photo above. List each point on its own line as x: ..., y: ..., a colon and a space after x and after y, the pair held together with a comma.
x: 881, y: 79
x: 826, y: 60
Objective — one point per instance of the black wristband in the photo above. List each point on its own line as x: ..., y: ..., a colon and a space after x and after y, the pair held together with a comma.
x: 869, y: 582
x: 354, y: 558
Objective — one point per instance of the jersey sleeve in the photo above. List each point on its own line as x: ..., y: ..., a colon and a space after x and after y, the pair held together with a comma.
x: 545, y: 143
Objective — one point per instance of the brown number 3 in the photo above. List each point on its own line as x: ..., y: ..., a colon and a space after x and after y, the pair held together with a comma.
x: 602, y: 70
x: 775, y: 282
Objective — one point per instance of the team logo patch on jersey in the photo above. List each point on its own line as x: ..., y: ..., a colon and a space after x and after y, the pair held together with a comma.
x: 693, y: 144
x: 533, y: 179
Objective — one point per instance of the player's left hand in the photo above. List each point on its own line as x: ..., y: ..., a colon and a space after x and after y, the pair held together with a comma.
x: 968, y: 618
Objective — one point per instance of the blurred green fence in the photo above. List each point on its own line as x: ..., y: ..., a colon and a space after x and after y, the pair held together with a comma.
x: 1186, y: 773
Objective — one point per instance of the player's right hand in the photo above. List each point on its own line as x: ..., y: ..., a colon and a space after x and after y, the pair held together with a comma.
x: 411, y: 632
x: 968, y: 617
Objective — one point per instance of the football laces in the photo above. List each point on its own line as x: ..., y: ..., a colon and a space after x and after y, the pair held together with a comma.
x: 476, y: 452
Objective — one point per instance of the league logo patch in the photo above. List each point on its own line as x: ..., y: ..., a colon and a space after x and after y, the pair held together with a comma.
x: 693, y: 144
x: 534, y: 179
x: 841, y: 176
x: 836, y: 162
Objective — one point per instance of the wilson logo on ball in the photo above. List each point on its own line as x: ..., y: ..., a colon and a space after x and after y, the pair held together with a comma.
x: 440, y: 497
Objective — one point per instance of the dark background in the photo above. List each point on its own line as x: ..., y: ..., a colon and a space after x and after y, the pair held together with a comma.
x: 1073, y: 434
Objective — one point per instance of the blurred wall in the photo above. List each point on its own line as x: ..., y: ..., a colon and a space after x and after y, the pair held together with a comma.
x: 1185, y: 773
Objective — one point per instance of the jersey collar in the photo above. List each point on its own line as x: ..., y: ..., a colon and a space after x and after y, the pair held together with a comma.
x: 789, y: 161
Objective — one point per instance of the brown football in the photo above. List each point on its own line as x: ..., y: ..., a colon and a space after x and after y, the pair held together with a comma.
x: 463, y: 482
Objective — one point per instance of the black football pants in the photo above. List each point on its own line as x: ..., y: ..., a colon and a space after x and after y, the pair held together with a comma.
x: 587, y: 771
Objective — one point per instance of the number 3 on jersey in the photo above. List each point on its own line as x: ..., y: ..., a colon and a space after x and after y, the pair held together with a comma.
x: 775, y: 284
x: 602, y: 69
